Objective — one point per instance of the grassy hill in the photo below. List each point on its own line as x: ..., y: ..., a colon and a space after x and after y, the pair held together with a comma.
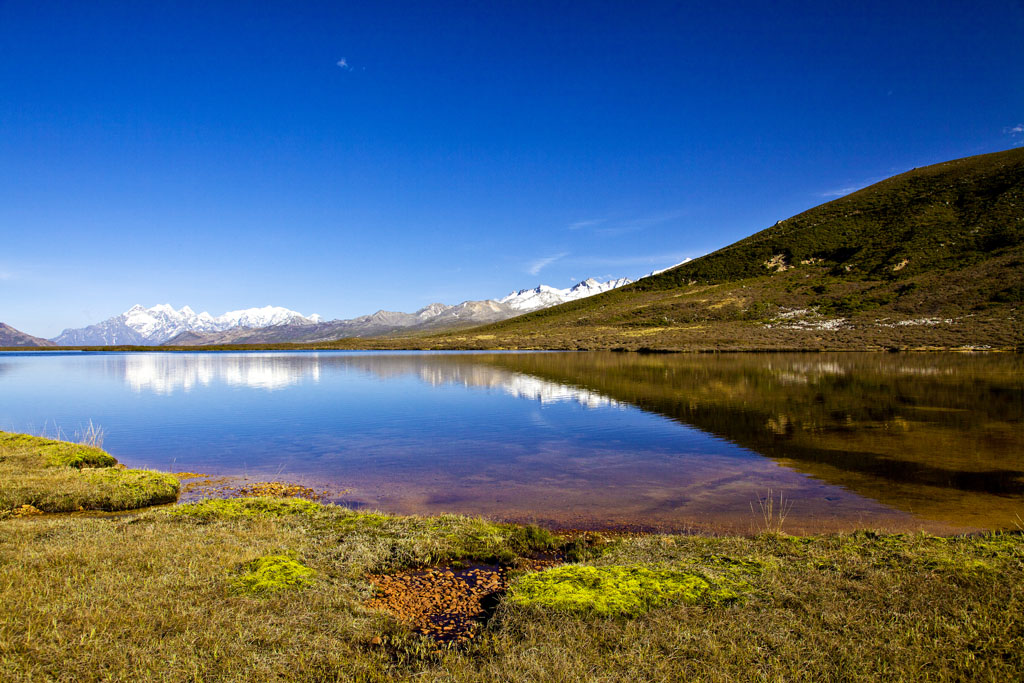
x: 10, y: 337
x: 929, y: 258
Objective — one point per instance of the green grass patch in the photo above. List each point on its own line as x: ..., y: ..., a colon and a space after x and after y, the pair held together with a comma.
x: 57, y: 476
x: 234, y: 508
x: 271, y: 574
x: 627, y: 590
x: 57, y: 453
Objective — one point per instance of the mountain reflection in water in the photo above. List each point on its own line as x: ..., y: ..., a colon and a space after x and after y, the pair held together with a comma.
x: 664, y: 441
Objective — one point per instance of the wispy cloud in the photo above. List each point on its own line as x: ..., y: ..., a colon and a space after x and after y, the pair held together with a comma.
x: 343, y: 63
x: 1016, y: 132
x: 579, y: 225
x: 661, y: 260
x: 609, y: 227
x: 840, y: 192
x: 540, y: 264
x: 858, y: 185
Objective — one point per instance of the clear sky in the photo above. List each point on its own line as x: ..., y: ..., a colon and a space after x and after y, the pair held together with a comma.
x: 341, y: 157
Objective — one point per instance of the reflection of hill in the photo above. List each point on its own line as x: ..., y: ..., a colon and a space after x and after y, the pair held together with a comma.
x: 939, y: 435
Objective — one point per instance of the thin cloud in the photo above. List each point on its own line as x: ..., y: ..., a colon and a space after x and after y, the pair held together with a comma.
x: 609, y: 228
x: 579, y: 225
x: 841, y: 192
x: 343, y: 63
x: 662, y: 260
x: 541, y: 263
x: 1016, y: 130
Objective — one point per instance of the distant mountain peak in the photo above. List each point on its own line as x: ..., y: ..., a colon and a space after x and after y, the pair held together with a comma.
x: 155, y: 325
x: 543, y: 296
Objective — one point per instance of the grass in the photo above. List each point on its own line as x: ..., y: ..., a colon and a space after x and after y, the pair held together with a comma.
x: 619, y: 590
x: 277, y: 589
x: 156, y: 596
x: 271, y: 574
x: 57, y: 476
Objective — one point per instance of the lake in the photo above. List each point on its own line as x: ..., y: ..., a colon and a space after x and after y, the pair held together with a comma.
x: 573, y: 440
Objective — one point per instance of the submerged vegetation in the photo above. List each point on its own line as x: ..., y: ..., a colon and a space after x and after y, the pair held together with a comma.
x: 287, y: 588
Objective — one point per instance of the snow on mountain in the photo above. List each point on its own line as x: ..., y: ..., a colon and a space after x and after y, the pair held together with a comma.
x: 159, y: 324
x: 544, y: 296
x: 155, y: 325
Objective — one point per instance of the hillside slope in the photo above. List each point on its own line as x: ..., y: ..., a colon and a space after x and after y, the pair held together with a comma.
x: 929, y: 258
x: 11, y: 337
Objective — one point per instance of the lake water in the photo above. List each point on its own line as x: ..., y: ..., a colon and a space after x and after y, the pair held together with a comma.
x: 583, y: 440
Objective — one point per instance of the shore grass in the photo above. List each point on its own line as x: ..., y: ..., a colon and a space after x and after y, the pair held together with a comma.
x: 280, y: 589
x: 158, y: 596
x: 45, y: 475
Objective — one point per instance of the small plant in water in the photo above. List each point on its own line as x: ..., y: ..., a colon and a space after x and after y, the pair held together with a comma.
x: 91, y: 435
x: 773, y: 515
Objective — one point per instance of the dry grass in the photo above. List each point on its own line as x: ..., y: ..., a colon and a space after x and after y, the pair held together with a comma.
x: 149, y: 597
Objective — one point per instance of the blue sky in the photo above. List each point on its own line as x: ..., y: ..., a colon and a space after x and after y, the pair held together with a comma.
x: 342, y: 157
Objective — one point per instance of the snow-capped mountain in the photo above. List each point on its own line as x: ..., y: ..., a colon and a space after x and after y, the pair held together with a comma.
x: 162, y: 324
x: 152, y: 326
x: 433, y: 317
x: 544, y: 296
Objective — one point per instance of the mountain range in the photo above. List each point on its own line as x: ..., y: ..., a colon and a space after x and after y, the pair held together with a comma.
x: 153, y: 326
x: 163, y: 324
x: 434, y: 317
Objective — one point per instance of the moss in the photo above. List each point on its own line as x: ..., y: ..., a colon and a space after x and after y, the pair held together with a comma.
x: 233, y: 508
x: 125, y: 489
x: 270, y: 574
x: 619, y: 589
x: 57, y: 476
x: 59, y: 453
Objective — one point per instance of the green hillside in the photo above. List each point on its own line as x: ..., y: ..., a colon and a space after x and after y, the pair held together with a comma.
x: 931, y: 258
x: 940, y: 217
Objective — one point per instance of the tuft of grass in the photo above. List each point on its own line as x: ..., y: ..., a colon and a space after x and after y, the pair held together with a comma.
x: 57, y: 476
x: 234, y: 508
x: 619, y: 590
x: 271, y: 574
x: 57, y: 453
x: 773, y: 517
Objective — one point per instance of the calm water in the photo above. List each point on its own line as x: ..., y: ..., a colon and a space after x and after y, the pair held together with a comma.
x: 887, y: 441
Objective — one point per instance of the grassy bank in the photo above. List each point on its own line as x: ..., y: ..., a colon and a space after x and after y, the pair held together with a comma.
x: 44, y: 475
x: 289, y: 589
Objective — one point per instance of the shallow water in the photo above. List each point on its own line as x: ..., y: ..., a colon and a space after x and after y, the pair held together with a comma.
x: 896, y: 442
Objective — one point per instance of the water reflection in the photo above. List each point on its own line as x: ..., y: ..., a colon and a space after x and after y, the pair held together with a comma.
x: 579, y: 439
x: 165, y: 373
